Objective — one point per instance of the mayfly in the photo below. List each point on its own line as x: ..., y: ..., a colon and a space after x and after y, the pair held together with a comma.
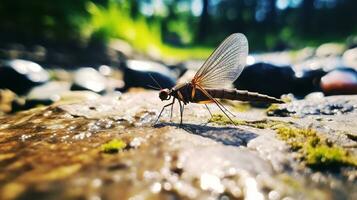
x: 211, y: 81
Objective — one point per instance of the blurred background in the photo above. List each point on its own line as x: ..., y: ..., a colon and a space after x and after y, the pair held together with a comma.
x: 168, y: 26
x: 293, y: 43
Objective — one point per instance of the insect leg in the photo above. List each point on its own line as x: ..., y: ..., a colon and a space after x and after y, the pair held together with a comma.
x: 209, y: 110
x: 233, y: 115
x: 163, y: 110
x: 217, y: 103
x: 172, y: 108
x: 225, y: 114
x: 181, y: 111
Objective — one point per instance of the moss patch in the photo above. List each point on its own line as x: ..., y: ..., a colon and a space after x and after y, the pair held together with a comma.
x: 113, y: 146
x: 315, y: 150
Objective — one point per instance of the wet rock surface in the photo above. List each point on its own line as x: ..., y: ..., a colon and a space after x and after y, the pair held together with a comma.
x: 108, y: 148
x: 334, y: 105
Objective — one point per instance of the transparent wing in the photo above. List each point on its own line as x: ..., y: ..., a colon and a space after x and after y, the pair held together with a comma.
x: 225, y: 64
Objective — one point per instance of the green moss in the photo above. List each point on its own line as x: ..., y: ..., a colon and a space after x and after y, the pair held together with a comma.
x: 261, y: 124
x: 223, y: 120
x: 330, y: 157
x: 113, y: 146
x: 242, y: 107
x: 315, y: 150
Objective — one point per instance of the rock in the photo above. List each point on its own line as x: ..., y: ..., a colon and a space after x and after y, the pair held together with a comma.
x: 340, y: 81
x: 6, y: 99
x: 197, y: 160
x: 314, y: 95
x: 87, y: 78
x: 193, y: 64
x: 282, y: 58
x: 58, y: 74
x: 77, y: 96
x: 334, y: 118
x: 45, y: 94
x: 350, y: 58
x: 307, y: 82
x: 122, y: 47
x: 139, y: 73
x: 330, y: 49
x: 49, y: 91
x: 275, y: 80
x: 351, y: 42
x: 325, y: 64
x: 304, y: 54
x: 178, y: 69
x: 266, y: 79
x: 316, y: 106
x: 21, y: 75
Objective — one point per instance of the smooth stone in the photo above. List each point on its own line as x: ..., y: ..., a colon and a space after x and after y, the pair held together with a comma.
x: 351, y: 42
x: 325, y: 64
x: 30, y: 103
x: 304, y: 54
x: 21, y: 75
x: 307, y: 82
x: 193, y: 64
x: 341, y: 81
x: 329, y: 49
x: 350, y: 58
x: 179, y: 69
x: 282, y: 58
x: 77, y: 96
x: 6, y: 99
x: 315, y: 96
x: 140, y: 73
x: 51, y: 90
x: 87, y: 78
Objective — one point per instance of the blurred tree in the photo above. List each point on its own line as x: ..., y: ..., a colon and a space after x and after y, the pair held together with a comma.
x: 24, y: 20
x: 204, y: 22
x: 268, y: 23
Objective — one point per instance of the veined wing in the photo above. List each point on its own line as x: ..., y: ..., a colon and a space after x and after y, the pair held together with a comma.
x: 225, y: 64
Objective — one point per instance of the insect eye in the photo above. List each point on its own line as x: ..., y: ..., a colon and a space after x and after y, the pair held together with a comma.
x: 163, y: 95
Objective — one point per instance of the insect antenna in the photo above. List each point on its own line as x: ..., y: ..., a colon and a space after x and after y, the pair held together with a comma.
x: 155, y: 81
x: 153, y: 87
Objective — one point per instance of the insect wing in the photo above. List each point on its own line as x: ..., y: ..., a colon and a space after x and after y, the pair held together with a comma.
x: 225, y: 64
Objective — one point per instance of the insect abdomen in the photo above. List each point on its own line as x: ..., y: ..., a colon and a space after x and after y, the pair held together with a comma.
x: 242, y: 95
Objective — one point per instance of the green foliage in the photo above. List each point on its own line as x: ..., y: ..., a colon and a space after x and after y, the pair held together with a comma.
x: 114, y: 21
x: 167, y: 31
x: 56, y: 20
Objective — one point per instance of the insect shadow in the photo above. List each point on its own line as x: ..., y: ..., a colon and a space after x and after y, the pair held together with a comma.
x: 226, y: 135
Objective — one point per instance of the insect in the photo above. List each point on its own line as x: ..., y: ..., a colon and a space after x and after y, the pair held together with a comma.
x: 212, y: 79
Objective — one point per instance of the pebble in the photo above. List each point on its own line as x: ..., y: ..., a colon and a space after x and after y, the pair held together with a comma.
x: 341, y: 81
x: 140, y: 73
x: 21, y: 75
x: 87, y: 78
x: 266, y: 79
